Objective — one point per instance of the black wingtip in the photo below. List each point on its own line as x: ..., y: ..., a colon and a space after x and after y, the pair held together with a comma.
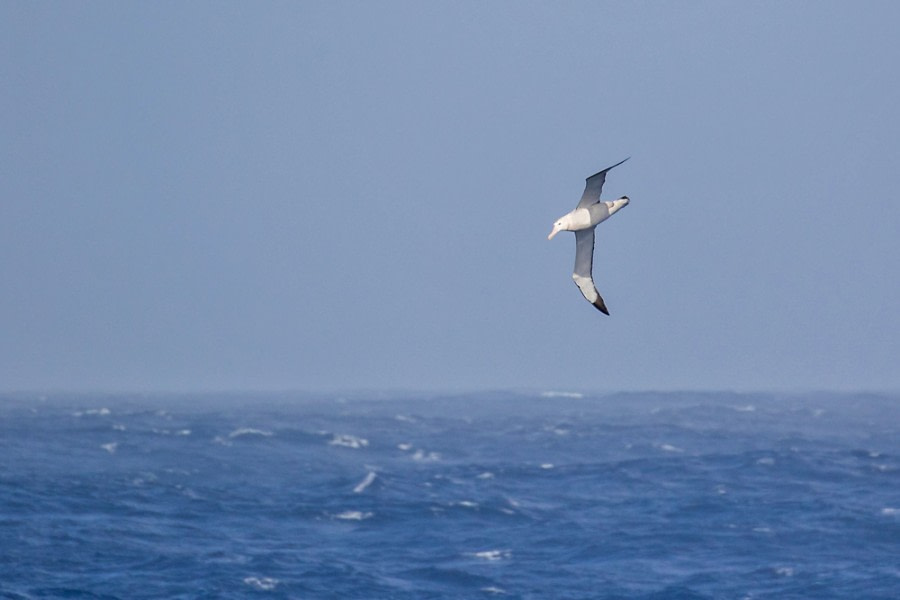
x: 601, y: 306
x: 617, y: 164
x: 609, y: 168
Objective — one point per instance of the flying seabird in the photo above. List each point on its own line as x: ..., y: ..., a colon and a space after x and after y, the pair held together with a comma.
x: 583, y: 220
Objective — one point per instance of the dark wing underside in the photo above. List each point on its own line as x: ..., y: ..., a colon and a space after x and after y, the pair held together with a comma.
x: 584, y: 261
x: 594, y: 185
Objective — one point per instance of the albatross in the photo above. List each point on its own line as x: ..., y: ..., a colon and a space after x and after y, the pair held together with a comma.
x: 583, y: 220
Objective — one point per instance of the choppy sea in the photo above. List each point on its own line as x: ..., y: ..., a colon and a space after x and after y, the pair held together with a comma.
x: 495, y: 495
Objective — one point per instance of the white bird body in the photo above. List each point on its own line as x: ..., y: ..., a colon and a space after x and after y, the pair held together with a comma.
x: 585, y: 218
x: 590, y: 212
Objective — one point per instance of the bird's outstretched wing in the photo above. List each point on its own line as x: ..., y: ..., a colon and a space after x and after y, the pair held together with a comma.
x: 594, y: 185
x: 584, y: 260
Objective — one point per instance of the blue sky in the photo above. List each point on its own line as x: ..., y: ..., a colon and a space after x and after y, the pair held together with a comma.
x: 345, y: 195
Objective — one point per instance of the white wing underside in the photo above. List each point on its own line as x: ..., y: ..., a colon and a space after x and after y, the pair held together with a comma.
x: 582, y: 275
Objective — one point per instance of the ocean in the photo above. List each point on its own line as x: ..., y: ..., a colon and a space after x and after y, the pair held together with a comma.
x: 492, y: 495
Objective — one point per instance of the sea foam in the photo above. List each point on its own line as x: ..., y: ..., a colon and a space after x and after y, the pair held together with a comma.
x: 557, y: 394
x: 348, y: 441
x: 492, y: 555
x: 262, y: 583
x: 245, y: 431
x: 365, y: 483
x: 353, y: 515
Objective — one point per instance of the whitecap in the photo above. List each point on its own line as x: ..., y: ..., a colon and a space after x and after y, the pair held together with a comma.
x: 785, y: 571
x: 404, y: 419
x: 348, y: 441
x: 366, y: 482
x: 766, y: 460
x: 491, y: 589
x: 249, y: 431
x: 421, y: 455
x: 92, y: 412
x: 405, y: 447
x: 353, y: 515
x: 261, y: 583
x: 558, y: 394
x: 485, y: 475
x: 747, y: 408
x: 111, y: 447
x: 183, y: 432
x: 492, y: 555
x: 467, y: 504
x: 889, y: 511
x: 118, y: 427
x: 670, y: 448
x: 547, y: 465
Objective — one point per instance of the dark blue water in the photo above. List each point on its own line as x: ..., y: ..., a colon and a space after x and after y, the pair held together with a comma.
x: 475, y: 496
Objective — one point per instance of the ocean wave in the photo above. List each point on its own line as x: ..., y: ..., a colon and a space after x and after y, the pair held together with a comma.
x: 348, y: 441
x: 248, y: 431
x: 178, y: 432
x: 558, y: 394
x: 365, y: 483
x: 558, y: 430
x: 491, y: 555
x: 423, y: 456
x: 262, y: 583
x: 353, y: 515
x: 99, y: 412
x: 670, y: 448
x: 467, y: 508
x: 493, y: 589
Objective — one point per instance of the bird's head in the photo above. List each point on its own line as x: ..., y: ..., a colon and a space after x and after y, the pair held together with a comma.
x: 562, y: 224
